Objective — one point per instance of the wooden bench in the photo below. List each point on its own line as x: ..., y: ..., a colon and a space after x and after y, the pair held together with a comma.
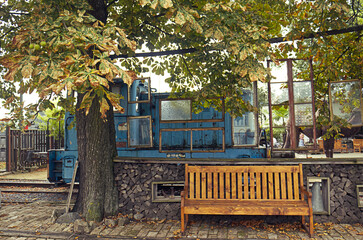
x: 245, y: 190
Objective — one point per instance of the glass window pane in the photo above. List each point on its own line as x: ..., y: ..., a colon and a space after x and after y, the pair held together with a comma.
x: 279, y: 93
x: 280, y: 139
x: 139, y: 132
x: 173, y: 110
x: 302, y: 92
x: 244, y: 130
x: 280, y: 115
x: 208, y: 140
x: 175, y: 140
x: 346, y: 101
x: 301, y: 70
x: 303, y: 115
x: 279, y: 72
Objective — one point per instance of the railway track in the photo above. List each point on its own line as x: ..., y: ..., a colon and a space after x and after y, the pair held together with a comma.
x: 26, y: 191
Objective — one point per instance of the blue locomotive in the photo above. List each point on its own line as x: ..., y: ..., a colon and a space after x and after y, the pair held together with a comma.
x: 154, y: 126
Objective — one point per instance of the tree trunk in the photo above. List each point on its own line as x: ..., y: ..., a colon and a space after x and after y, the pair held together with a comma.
x: 98, y: 195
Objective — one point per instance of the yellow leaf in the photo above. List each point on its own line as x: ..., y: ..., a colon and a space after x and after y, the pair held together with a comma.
x: 243, y: 54
x: 218, y: 34
x: 154, y: 4
x: 27, y: 70
x: 104, y: 107
x: 166, y: 3
x: 180, y: 18
x: 144, y: 2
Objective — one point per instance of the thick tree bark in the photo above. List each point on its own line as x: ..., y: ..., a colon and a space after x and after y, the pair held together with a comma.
x: 98, y: 195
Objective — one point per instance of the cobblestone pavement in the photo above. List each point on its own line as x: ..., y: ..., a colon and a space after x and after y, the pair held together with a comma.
x: 33, y: 221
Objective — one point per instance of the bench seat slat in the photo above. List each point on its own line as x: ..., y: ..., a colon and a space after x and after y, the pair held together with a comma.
x: 247, y: 210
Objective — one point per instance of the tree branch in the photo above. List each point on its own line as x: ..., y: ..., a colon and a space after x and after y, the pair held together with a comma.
x: 271, y: 40
x: 155, y: 54
x: 318, y: 34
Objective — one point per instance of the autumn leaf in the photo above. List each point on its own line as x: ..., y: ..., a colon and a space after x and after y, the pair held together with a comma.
x: 144, y: 2
x: 166, y: 3
x: 154, y: 4
x: 104, y: 107
x: 179, y: 18
x: 27, y: 70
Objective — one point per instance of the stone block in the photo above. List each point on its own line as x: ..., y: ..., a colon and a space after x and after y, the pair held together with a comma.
x: 70, y: 217
x: 81, y: 226
x: 110, y: 222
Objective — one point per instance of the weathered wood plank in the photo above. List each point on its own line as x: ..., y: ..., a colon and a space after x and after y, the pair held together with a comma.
x: 261, y: 169
x: 186, y: 183
x: 210, y: 185
x: 215, y: 185
x: 245, y: 184
x: 252, y: 185
x: 301, y: 179
x: 240, y: 185
x: 197, y: 185
x: 296, y: 185
x: 234, y: 185
x: 204, y: 185
x: 250, y: 210
x: 270, y: 185
x: 258, y: 185
x: 191, y: 186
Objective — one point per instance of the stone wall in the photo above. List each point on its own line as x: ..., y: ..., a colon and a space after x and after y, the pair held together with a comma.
x: 134, y: 182
x: 135, y: 185
x: 343, y: 195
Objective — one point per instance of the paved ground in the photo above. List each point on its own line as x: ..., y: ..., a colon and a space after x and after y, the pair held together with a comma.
x: 37, y: 174
x: 33, y: 221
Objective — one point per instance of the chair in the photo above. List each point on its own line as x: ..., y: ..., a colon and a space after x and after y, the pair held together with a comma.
x: 339, y: 146
x: 357, y: 145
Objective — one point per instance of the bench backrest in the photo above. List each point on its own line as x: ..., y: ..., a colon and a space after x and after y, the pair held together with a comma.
x: 243, y: 182
x: 358, y: 141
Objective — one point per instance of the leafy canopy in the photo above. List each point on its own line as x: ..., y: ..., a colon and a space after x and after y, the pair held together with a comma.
x: 50, y: 46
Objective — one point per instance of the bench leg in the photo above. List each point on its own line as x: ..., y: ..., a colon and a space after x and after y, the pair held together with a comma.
x: 311, y: 225
x: 184, y: 221
x: 303, y: 220
x: 309, y: 229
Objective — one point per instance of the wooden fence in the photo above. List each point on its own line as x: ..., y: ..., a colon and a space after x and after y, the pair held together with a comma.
x: 28, y: 148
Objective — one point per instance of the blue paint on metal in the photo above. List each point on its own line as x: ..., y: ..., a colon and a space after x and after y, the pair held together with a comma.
x: 61, y: 162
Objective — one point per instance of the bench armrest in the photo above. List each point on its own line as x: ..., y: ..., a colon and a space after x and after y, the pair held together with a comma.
x: 182, y: 195
x: 307, y: 193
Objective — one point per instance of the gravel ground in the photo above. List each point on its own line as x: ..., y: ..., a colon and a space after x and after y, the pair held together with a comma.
x: 33, y: 197
x: 38, y: 175
x: 2, y: 166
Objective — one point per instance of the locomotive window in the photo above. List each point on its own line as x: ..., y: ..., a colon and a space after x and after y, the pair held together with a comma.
x: 176, y: 110
x: 139, y: 132
x: 345, y: 101
x: 244, y: 127
x: 244, y: 130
